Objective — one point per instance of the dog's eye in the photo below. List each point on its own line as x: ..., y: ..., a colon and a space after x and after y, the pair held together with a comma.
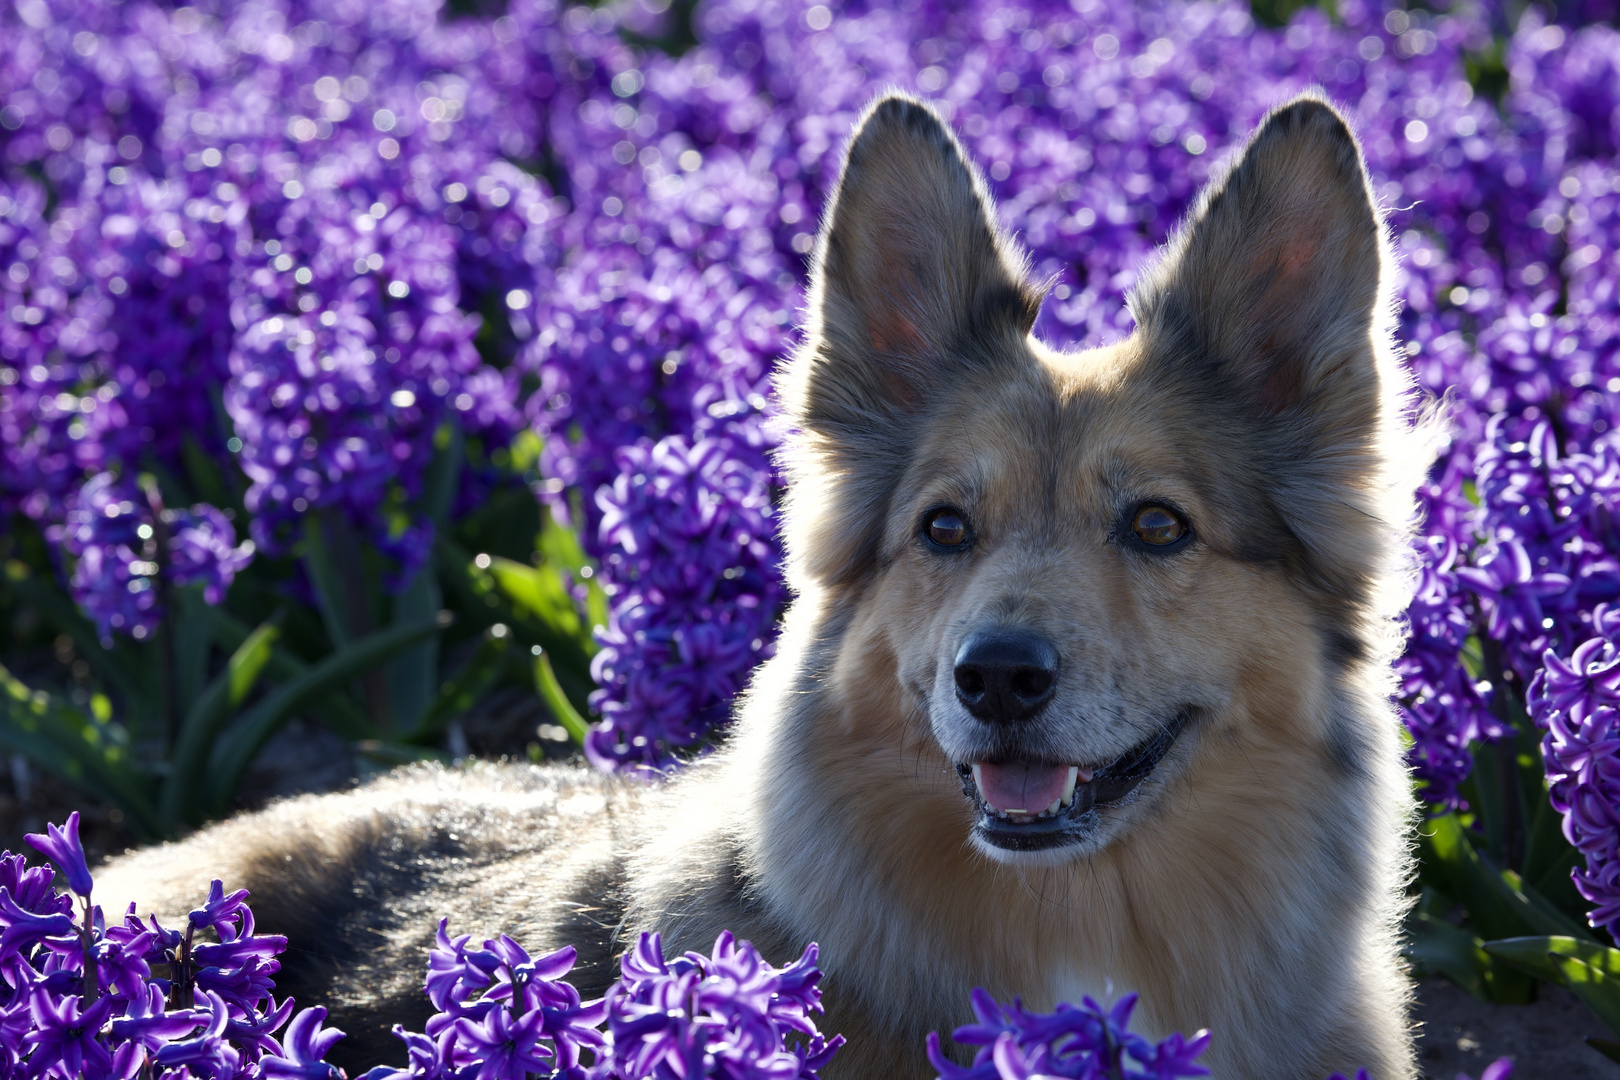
x: 946, y: 528
x: 1158, y: 526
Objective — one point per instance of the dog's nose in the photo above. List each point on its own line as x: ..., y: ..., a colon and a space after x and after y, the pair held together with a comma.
x: 1005, y: 675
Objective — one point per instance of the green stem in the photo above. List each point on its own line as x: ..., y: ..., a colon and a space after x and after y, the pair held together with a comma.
x: 92, y: 988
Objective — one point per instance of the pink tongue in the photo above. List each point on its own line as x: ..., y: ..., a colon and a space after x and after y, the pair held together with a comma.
x: 1027, y: 787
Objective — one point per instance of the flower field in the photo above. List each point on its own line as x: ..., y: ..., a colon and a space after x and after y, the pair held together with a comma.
x: 359, y: 361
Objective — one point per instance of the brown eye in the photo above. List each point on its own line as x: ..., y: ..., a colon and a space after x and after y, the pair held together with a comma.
x: 1155, y: 525
x: 946, y: 528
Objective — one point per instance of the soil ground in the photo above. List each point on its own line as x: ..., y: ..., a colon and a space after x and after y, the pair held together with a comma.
x: 1459, y: 1033
x: 1545, y: 1039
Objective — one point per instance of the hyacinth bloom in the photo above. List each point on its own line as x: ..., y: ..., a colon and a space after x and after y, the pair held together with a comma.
x: 62, y: 847
x: 729, y: 1014
x: 692, y: 567
x: 1575, y: 700
x: 81, y: 999
x: 304, y: 1044
x: 1085, y: 1042
x: 64, y: 1032
x: 124, y: 550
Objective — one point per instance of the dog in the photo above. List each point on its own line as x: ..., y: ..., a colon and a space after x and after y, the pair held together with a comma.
x: 1085, y: 686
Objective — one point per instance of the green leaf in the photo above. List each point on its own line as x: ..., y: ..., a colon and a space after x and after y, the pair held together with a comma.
x: 471, y: 683
x: 476, y: 591
x: 1599, y: 992
x: 321, y: 564
x: 1590, y: 970
x: 443, y: 477
x: 413, y: 677
x: 236, y: 749
x: 560, y: 546
x: 1546, y: 847
x: 551, y: 691
x: 191, y: 636
x: 1556, y: 884
x: 187, y: 785
x: 538, y: 591
x: 249, y: 661
x: 1438, y: 946
x: 1606, y: 1047
x: 64, y: 741
x: 333, y: 707
x: 205, y: 476
x: 1535, y: 954
x: 1499, y: 904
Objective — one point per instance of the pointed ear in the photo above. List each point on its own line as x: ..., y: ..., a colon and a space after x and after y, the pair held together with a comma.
x: 1271, y: 313
x: 912, y: 281
x: 1276, y: 286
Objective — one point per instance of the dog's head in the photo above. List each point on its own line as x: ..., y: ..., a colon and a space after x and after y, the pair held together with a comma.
x: 1075, y: 573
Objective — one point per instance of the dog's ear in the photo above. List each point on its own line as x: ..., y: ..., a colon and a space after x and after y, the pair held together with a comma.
x: 912, y: 282
x: 1271, y: 313
x: 1272, y: 289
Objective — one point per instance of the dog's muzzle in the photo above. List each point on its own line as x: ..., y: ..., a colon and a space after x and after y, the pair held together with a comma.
x: 1033, y: 805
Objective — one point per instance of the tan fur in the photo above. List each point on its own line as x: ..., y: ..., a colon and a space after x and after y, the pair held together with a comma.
x: 1253, y: 885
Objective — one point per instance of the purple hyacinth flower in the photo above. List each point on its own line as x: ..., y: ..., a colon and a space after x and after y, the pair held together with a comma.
x: 62, y: 847
x: 221, y: 913
x: 452, y: 977
x: 24, y: 929
x: 203, y: 551
x: 120, y: 959
x: 1070, y: 1041
x: 507, y: 1048
x: 207, y: 1053
x: 1508, y: 578
x: 304, y: 1044
x: 253, y: 1035
x: 147, y: 1021
x: 31, y: 887
x: 1589, y: 680
x: 426, y: 1058
x: 64, y: 1039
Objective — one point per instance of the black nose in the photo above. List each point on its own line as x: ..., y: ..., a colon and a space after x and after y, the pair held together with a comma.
x: 1005, y: 675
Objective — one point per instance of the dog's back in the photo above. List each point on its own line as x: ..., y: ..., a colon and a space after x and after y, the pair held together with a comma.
x: 357, y: 881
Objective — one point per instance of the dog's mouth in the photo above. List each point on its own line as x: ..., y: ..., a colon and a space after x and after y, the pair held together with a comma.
x: 1027, y: 805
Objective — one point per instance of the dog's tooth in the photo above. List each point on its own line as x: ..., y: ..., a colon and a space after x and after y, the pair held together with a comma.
x: 1056, y: 803
x: 1068, y: 787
